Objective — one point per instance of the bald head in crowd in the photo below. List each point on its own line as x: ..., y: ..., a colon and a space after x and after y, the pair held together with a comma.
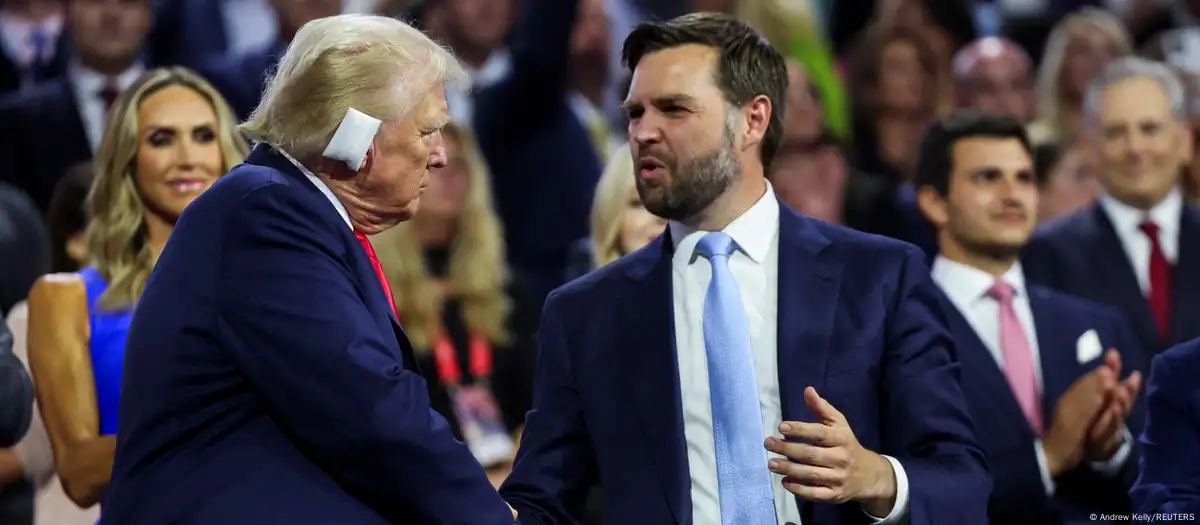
x: 995, y: 75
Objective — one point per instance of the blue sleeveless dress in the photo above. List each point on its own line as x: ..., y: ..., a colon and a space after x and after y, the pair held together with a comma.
x: 107, y: 347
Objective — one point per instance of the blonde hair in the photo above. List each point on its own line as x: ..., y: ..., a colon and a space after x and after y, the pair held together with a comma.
x: 612, y: 195
x: 375, y: 64
x: 478, y: 274
x: 1049, y: 123
x: 116, y: 231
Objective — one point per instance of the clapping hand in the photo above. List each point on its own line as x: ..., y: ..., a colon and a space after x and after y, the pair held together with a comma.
x: 836, y: 468
x: 1104, y: 435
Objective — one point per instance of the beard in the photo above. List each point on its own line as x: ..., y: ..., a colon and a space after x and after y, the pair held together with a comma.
x: 695, y: 185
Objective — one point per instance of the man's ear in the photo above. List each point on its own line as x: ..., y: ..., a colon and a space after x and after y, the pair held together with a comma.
x: 933, y: 206
x: 368, y: 159
x: 758, y: 118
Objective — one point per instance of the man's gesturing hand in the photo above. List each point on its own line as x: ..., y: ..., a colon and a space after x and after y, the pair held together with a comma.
x: 836, y: 469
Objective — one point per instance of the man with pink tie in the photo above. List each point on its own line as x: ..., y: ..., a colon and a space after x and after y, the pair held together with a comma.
x: 1041, y: 370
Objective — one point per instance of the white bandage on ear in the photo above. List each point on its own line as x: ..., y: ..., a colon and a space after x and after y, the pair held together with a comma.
x: 352, y: 139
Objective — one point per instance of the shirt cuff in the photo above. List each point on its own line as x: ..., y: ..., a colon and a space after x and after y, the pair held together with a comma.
x: 1112, y: 466
x: 900, y: 509
x: 1043, y: 467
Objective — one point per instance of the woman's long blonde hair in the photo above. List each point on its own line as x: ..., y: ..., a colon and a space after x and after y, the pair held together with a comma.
x: 612, y: 196
x: 116, y: 232
x: 478, y: 274
x: 1049, y: 123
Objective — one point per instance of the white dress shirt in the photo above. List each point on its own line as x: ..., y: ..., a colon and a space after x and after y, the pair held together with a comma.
x: 320, y: 184
x: 17, y: 38
x: 1127, y: 221
x: 87, y: 85
x: 967, y: 288
x: 755, y: 267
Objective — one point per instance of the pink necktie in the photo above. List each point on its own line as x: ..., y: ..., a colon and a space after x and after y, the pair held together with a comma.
x: 1018, y: 357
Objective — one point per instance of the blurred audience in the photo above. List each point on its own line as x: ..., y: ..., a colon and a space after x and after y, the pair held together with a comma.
x: 1067, y: 176
x: 894, y: 83
x: 1078, y: 47
x: 995, y: 75
x: 51, y: 126
x: 32, y: 43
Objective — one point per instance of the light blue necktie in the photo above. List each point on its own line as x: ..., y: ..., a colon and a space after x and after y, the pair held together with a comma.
x: 743, y: 480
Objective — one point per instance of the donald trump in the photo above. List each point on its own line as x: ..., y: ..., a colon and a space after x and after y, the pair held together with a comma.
x: 266, y: 377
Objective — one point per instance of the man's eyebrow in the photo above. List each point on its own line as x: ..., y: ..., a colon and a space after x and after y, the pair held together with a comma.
x: 675, y: 98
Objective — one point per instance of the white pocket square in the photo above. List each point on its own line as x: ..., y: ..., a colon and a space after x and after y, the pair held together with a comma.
x: 1088, y: 347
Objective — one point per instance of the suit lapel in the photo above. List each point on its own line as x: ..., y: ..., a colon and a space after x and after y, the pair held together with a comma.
x: 809, y: 282
x: 980, y: 366
x: 645, y: 334
x: 809, y: 285
x: 1121, y: 287
x: 1056, y: 348
x: 1185, y: 285
x: 364, y: 273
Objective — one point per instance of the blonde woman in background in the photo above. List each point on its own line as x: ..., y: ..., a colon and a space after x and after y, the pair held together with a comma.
x: 1078, y: 47
x: 168, y: 139
x: 620, y: 224
x: 471, y: 324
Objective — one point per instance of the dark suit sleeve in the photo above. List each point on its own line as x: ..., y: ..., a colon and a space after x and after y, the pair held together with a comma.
x: 555, y: 467
x: 16, y: 392
x: 297, y: 327
x: 1170, y: 475
x: 925, y: 423
x: 540, y: 51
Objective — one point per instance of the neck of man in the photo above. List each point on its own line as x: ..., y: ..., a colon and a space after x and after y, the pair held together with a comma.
x: 365, y: 216
x: 589, y: 80
x: 995, y: 264
x: 109, y: 67
x: 473, y: 56
x: 435, y: 232
x: 746, y: 191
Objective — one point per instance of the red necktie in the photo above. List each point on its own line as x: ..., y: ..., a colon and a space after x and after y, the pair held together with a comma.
x: 387, y: 289
x: 109, y: 94
x: 1160, y: 282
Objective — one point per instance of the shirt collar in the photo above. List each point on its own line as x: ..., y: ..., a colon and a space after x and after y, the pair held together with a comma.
x: 1127, y: 219
x: 965, y: 284
x: 753, y: 231
x: 321, y: 186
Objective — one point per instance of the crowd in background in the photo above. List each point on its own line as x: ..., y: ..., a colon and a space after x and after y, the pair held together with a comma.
x: 539, y: 184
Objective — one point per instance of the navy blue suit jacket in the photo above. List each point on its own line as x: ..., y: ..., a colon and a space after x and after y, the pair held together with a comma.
x: 1170, y: 472
x: 1018, y: 493
x: 267, y: 381
x: 1077, y: 253
x: 242, y: 79
x: 859, y: 320
x: 41, y: 137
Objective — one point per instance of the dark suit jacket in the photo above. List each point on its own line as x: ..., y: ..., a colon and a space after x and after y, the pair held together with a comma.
x: 16, y: 392
x: 859, y: 321
x: 1170, y: 474
x: 1082, y: 256
x: 12, y: 78
x: 267, y: 381
x: 1019, y: 495
x: 187, y: 32
x: 24, y: 247
x: 41, y: 137
x: 544, y: 166
x: 241, y: 79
